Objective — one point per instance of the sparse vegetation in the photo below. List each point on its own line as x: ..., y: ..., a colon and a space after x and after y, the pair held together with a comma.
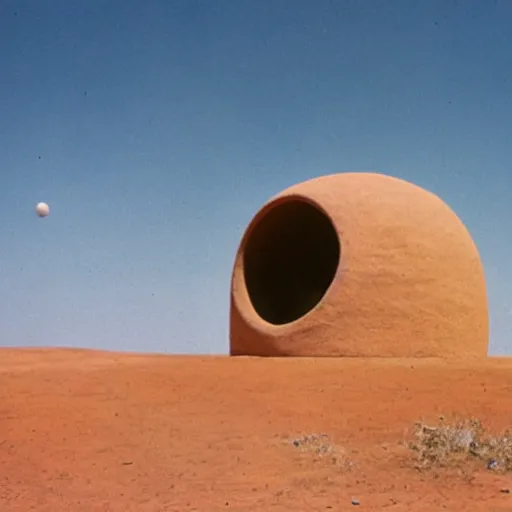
x: 467, y: 440
x: 323, y: 449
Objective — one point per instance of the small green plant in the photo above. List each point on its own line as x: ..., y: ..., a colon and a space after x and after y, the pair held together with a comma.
x: 464, y: 440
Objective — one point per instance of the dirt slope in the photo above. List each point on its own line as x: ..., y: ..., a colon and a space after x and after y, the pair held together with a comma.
x: 89, y: 431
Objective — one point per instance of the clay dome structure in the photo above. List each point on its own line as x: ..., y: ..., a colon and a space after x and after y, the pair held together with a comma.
x: 358, y: 265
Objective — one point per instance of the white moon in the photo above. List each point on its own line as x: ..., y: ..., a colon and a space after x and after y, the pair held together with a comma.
x: 42, y: 209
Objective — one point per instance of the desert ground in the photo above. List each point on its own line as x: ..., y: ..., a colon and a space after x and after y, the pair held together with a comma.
x: 99, y: 431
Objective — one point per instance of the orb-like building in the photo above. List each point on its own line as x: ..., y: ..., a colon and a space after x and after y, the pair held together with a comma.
x: 358, y: 264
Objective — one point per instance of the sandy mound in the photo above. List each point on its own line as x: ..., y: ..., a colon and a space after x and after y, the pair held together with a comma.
x: 90, y: 431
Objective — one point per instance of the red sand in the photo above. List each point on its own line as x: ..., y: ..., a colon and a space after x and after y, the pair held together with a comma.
x: 91, y: 431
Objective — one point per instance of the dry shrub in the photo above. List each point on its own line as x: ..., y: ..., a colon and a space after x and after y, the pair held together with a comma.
x: 323, y: 449
x: 465, y: 440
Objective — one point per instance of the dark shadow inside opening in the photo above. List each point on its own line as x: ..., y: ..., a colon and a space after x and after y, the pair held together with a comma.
x: 290, y: 260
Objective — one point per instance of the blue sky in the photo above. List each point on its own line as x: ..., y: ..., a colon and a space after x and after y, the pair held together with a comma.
x: 156, y: 129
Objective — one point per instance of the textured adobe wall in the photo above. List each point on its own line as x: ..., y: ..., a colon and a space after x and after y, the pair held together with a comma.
x: 358, y: 264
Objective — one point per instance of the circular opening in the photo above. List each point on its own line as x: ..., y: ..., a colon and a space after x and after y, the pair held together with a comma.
x: 290, y: 260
